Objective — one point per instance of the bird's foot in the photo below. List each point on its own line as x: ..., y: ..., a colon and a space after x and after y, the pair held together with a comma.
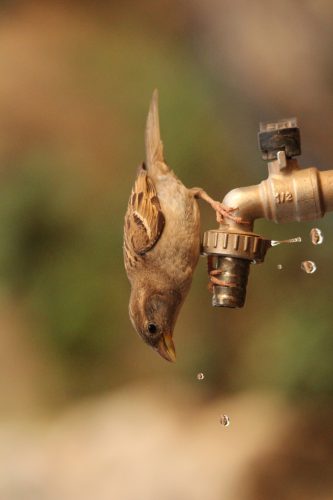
x: 214, y: 280
x: 222, y: 211
x: 225, y: 212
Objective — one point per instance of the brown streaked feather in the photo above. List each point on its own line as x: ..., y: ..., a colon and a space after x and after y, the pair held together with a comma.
x: 144, y: 220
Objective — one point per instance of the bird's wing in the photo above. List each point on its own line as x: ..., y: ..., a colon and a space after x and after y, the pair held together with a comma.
x: 144, y: 219
x: 154, y: 146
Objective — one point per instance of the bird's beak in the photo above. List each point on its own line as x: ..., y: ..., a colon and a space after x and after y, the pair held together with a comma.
x: 166, y: 347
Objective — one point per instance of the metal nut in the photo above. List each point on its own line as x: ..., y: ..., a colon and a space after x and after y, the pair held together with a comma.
x: 244, y: 245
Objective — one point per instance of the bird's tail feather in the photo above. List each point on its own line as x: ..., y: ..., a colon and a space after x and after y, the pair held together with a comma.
x: 154, y: 145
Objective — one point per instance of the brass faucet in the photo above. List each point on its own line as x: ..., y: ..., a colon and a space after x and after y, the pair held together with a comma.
x: 290, y: 193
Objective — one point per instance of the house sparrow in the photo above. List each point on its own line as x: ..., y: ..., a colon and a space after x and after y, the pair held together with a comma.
x: 161, y: 242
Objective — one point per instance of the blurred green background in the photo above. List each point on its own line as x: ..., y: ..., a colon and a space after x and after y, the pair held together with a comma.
x: 75, y: 83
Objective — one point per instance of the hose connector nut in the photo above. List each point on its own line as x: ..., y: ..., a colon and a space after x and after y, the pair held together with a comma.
x: 242, y: 245
x: 229, y: 256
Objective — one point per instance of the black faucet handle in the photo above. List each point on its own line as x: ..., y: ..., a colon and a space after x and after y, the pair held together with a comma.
x: 283, y: 135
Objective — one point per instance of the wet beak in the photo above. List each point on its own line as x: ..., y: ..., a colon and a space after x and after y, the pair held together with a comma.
x: 166, y: 348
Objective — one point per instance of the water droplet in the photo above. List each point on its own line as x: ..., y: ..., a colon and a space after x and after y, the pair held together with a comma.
x: 224, y: 420
x: 200, y: 376
x: 279, y: 266
x: 274, y: 243
x: 308, y: 266
x: 316, y: 236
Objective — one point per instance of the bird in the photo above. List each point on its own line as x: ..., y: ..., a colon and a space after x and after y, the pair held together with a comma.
x: 161, y: 242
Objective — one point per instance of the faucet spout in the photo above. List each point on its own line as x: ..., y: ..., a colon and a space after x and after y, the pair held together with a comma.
x: 247, y: 202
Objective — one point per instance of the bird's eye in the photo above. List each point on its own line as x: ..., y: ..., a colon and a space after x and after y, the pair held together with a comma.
x: 152, y: 328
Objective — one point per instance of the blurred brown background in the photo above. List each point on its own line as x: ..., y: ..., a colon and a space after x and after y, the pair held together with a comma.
x: 86, y: 410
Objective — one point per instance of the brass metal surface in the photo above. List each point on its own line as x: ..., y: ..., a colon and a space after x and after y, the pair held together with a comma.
x: 241, y: 245
x: 290, y: 193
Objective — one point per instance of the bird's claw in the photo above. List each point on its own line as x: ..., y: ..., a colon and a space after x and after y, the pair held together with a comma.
x: 222, y: 211
x: 214, y: 280
x: 225, y: 212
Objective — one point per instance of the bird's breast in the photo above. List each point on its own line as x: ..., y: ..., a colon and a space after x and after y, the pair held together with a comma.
x: 179, y: 245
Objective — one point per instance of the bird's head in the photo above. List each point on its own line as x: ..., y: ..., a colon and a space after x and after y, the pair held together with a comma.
x: 153, y: 315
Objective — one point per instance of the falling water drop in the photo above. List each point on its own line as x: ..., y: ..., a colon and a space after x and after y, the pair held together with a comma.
x: 279, y: 266
x: 308, y: 266
x: 200, y: 376
x: 316, y: 236
x: 224, y: 420
x: 274, y: 243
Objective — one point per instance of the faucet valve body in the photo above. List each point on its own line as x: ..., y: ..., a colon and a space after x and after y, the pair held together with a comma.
x: 229, y: 256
